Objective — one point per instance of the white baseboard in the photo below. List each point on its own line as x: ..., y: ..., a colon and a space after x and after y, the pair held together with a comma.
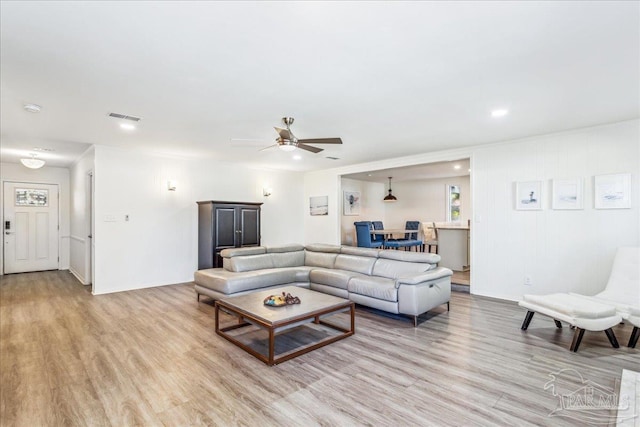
x: 78, y: 276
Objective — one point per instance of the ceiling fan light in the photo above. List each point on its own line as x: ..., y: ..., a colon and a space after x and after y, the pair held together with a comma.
x: 32, y: 163
x: 287, y: 147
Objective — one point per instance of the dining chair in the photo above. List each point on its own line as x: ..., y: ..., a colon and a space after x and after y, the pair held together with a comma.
x: 377, y: 225
x: 430, y: 236
x: 363, y: 234
x: 411, y: 239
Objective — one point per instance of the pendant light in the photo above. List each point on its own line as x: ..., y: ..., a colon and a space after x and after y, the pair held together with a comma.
x: 390, y: 197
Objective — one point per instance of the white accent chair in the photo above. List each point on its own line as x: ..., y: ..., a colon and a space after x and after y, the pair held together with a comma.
x: 620, y: 300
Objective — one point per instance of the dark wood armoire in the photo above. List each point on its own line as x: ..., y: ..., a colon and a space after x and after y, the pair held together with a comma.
x: 223, y: 225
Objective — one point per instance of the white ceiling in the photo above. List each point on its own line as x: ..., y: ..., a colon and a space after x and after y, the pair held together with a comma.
x: 415, y: 173
x: 390, y: 78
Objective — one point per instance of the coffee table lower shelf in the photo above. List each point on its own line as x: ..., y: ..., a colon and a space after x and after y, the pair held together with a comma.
x: 246, y: 319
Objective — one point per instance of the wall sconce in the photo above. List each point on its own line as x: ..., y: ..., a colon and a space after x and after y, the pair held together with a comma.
x: 266, y: 192
x: 171, y: 185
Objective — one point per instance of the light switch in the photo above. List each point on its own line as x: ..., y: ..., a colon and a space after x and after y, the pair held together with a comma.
x: 126, y: 217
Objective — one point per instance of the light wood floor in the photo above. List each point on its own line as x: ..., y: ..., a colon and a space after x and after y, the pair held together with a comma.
x: 461, y: 277
x: 151, y: 357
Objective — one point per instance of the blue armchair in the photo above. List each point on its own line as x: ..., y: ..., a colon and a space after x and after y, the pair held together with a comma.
x: 363, y: 234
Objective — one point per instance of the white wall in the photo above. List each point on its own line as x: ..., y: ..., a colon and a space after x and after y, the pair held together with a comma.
x: 80, y: 227
x: 561, y: 250
x: 158, y: 245
x: 322, y: 228
x: 44, y: 175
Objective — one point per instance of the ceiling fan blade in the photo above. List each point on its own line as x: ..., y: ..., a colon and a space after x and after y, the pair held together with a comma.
x: 271, y: 146
x: 309, y: 148
x: 321, y: 141
x: 284, y: 134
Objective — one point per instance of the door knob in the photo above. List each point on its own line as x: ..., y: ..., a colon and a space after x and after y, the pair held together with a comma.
x: 8, y: 232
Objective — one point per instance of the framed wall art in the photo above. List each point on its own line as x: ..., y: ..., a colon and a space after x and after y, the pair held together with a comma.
x: 529, y: 196
x: 567, y: 193
x: 319, y: 205
x: 612, y: 191
x: 351, y: 203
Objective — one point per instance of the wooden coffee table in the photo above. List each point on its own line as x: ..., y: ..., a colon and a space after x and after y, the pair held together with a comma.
x: 314, y: 307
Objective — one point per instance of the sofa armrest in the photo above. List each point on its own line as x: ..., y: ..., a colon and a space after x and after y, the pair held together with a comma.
x: 416, y: 279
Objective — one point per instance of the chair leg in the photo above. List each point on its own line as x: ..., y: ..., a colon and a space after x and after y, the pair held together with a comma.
x: 612, y: 338
x: 577, y: 338
x: 198, y: 297
x: 527, y: 320
x: 633, y: 339
x: 558, y: 324
x: 415, y: 321
x: 449, y: 310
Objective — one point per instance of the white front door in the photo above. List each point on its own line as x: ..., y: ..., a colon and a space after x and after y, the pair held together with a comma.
x: 30, y: 227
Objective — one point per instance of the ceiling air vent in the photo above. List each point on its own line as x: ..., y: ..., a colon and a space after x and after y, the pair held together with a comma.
x: 333, y: 158
x: 125, y: 117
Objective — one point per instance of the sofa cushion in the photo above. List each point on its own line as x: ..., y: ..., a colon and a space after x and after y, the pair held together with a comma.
x: 248, y: 263
x: 351, y: 250
x: 292, y: 247
x: 356, y: 263
x: 228, y: 282
x: 321, y: 247
x: 252, y: 250
x: 319, y: 259
x: 332, y: 277
x: 393, y: 269
x: 421, y: 257
x: 287, y: 259
x: 374, y: 287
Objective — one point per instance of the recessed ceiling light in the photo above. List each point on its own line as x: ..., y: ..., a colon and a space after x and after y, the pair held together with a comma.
x: 297, y: 157
x: 43, y: 149
x: 499, y: 113
x: 456, y: 166
x: 32, y: 108
x: 127, y: 126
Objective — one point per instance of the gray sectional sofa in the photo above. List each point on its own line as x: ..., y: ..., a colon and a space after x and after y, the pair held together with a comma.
x: 399, y: 282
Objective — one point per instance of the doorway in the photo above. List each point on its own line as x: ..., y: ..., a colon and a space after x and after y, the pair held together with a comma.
x: 31, y: 227
x: 437, y: 193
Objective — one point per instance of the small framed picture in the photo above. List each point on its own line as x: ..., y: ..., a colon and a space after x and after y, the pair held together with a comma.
x: 612, y: 191
x: 567, y: 193
x: 529, y: 196
x: 319, y: 205
x: 351, y: 203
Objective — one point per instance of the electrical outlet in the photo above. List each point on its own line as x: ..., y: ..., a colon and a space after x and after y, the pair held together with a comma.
x: 528, y: 280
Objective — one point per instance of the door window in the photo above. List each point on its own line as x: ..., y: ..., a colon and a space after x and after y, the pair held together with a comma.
x: 32, y: 197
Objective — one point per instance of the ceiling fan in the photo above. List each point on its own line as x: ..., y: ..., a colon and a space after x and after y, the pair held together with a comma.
x: 287, y: 141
